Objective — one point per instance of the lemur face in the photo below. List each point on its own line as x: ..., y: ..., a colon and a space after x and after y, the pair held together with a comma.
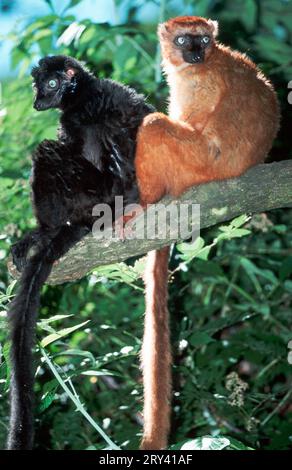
x: 55, y: 79
x: 187, y: 40
x: 192, y: 46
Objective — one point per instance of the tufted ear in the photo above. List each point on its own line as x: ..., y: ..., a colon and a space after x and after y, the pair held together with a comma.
x: 215, y: 27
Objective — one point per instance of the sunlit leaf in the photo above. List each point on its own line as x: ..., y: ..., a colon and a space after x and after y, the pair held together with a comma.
x: 61, y: 334
x: 205, y: 443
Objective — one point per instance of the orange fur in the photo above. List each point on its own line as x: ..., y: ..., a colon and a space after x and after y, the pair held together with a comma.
x: 224, y: 115
x: 156, y: 353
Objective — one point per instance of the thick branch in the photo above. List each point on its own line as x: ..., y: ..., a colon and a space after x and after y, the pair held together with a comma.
x: 262, y: 188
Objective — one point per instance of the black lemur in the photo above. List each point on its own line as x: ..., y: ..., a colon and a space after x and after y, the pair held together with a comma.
x: 90, y: 163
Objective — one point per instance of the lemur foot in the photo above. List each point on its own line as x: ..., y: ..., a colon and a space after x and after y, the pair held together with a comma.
x: 23, y: 250
x: 19, y: 254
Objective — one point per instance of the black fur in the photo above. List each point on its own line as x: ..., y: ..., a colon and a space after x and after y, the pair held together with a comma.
x: 91, y: 163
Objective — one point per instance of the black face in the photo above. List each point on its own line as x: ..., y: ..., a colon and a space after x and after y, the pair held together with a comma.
x: 49, y: 91
x: 193, y: 47
x: 54, y: 80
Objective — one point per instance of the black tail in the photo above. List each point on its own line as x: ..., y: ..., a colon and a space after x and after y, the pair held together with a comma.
x: 22, y: 317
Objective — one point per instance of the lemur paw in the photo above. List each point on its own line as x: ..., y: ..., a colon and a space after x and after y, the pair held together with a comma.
x: 21, y: 252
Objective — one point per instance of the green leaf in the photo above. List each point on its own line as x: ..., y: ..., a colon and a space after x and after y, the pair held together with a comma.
x: 118, y: 272
x: 97, y: 373
x: 61, y: 334
x: 47, y: 321
x: 48, y: 397
x: 39, y: 24
x: 240, y: 221
x: 10, y: 288
x: 78, y: 352
x: 73, y: 3
x: 253, y: 270
x: 50, y: 3
x: 199, y: 339
x: 237, y: 445
x: 197, y: 249
x: 231, y: 232
x: 43, y: 33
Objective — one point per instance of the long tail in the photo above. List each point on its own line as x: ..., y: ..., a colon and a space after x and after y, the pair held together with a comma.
x: 156, y: 353
x: 22, y: 318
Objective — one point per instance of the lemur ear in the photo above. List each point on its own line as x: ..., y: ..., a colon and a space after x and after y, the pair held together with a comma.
x: 71, y: 72
x: 215, y: 26
x: 162, y: 29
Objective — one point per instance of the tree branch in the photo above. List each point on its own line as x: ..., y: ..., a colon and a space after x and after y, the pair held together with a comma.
x: 262, y: 188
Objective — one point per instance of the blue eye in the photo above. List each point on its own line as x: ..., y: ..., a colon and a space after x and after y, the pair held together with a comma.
x: 53, y: 83
x: 180, y: 40
x: 206, y: 39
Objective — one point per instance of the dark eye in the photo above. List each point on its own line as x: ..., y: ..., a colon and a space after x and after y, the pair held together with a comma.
x: 53, y: 83
x: 180, y: 40
x: 206, y: 39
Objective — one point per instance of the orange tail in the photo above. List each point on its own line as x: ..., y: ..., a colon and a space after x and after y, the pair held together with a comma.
x: 156, y: 353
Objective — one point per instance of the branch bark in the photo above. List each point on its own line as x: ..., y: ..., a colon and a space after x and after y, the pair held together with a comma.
x: 262, y: 188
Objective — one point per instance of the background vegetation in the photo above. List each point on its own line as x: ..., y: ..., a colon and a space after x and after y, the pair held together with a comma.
x: 230, y: 301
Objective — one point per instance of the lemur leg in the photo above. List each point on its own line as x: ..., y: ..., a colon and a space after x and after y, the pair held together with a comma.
x: 171, y: 157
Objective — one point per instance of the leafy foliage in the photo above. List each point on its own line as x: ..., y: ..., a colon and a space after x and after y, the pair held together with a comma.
x: 230, y: 291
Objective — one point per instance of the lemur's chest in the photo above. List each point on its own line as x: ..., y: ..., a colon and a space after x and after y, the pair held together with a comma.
x: 193, y: 97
